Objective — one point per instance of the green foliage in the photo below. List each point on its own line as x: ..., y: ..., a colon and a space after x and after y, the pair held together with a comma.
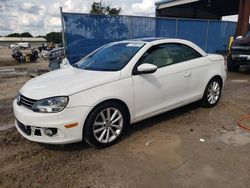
x: 99, y: 8
x: 55, y: 37
x: 40, y: 36
x: 26, y: 34
x: 14, y: 35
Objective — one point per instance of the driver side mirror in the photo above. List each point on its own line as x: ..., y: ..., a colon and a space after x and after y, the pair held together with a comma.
x: 146, y: 68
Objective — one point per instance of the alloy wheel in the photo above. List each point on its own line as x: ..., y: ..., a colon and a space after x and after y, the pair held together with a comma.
x: 108, y: 125
x: 213, y: 92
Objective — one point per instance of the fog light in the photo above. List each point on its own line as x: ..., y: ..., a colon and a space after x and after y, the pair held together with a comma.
x: 50, y: 131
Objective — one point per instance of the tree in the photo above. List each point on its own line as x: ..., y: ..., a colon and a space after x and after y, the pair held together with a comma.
x: 99, y: 8
x: 26, y: 34
x: 40, y: 36
x: 113, y: 11
x: 55, y: 37
x: 13, y: 35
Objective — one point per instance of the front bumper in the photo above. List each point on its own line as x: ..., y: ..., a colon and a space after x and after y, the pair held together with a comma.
x: 241, y: 54
x: 40, y: 121
x: 241, y: 57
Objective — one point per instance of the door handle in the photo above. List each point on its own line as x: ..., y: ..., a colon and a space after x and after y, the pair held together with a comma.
x: 187, y: 74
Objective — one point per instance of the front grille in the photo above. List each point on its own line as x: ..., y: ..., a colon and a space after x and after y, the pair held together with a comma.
x: 25, y: 129
x: 240, y: 52
x: 26, y: 102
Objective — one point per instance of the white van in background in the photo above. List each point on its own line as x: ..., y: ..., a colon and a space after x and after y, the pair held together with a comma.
x: 21, y: 45
x: 24, y: 45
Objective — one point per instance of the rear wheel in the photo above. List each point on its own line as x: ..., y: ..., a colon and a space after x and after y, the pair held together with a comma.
x: 105, y: 124
x: 232, y: 66
x: 212, y: 93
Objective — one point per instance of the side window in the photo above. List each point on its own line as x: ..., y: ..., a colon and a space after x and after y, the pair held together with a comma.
x: 167, y: 54
x: 190, y: 53
x: 157, y: 55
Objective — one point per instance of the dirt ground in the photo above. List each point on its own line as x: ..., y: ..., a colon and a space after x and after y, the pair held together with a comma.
x: 7, y: 60
x: 188, y: 147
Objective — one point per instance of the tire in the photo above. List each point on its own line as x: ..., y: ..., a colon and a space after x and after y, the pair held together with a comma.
x: 232, y: 65
x: 212, y: 93
x: 99, y: 130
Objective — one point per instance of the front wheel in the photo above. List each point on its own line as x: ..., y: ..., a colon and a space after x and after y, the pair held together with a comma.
x: 105, y: 124
x: 212, y: 93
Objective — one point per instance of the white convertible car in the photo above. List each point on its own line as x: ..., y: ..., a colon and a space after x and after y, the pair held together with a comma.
x: 116, y: 85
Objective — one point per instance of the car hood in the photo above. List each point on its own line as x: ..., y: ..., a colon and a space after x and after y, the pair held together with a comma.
x: 65, y: 82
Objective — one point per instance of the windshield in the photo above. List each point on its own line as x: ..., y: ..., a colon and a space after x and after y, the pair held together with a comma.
x: 111, y: 57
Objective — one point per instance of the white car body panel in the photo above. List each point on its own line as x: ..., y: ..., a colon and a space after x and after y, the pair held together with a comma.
x: 160, y: 87
x: 74, y: 80
x: 145, y: 95
x: 58, y: 120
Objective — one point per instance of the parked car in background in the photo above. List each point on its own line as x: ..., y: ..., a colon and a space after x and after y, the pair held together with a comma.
x: 21, y: 45
x: 240, y: 53
x: 45, y: 54
x: 24, y: 45
x: 116, y: 85
x: 55, y: 58
x: 45, y: 50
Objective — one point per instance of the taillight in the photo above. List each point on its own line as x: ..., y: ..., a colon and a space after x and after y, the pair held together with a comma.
x: 225, y: 62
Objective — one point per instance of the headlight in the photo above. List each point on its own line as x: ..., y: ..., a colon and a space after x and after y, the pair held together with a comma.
x: 50, y: 105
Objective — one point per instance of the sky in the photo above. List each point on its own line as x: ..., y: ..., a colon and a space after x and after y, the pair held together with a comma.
x: 42, y: 16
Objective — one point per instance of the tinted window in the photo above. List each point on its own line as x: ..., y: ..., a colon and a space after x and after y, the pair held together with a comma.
x: 167, y: 54
x: 189, y: 53
x: 111, y: 57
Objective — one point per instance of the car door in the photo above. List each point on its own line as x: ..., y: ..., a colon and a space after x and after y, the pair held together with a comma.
x: 197, y: 68
x: 164, y: 89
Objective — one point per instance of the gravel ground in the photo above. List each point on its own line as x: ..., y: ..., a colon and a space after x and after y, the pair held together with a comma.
x: 188, y: 147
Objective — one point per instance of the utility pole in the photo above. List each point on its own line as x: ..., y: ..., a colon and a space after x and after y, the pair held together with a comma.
x: 243, y: 18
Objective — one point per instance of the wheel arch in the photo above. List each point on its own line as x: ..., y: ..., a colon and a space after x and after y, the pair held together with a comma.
x: 88, y: 136
x: 214, y: 76
x: 118, y: 101
x: 219, y: 78
x: 205, y: 103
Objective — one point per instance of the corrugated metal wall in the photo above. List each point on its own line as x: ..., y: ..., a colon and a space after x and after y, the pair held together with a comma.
x: 85, y: 32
